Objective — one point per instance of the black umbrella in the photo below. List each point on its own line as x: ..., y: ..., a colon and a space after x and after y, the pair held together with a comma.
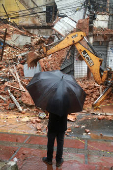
x: 56, y: 92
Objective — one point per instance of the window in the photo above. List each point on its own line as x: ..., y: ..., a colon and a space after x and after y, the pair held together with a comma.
x: 51, y: 12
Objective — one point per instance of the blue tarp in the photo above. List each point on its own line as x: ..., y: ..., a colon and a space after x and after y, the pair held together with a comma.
x: 1, y: 44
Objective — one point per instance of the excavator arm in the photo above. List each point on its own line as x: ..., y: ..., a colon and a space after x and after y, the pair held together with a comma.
x: 89, y: 56
x: 71, y: 39
x: 91, y: 60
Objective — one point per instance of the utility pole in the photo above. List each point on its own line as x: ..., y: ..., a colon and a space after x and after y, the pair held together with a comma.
x: 3, y: 44
x: 85, y: 3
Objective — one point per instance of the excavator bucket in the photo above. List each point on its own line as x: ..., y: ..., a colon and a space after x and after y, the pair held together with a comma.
x: 33, y: 58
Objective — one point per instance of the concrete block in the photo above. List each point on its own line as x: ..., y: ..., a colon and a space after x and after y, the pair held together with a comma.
x: 11, y: 165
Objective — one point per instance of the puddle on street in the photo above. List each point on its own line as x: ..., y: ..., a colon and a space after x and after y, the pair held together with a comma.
x: 95, y: 136
x: 98, y: 129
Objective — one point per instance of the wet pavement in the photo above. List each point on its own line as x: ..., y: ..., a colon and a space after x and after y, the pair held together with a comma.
x: 20, y: 142
x: 79, y: 154
x: 102, y: 128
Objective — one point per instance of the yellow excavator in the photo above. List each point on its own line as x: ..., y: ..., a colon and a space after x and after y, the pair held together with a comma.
x: 89, y: 55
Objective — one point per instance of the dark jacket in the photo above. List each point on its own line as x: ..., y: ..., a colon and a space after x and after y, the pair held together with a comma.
x: 57, y: 123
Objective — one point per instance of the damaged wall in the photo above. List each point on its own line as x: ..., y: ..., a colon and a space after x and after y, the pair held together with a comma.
x: 101, y: 21
x: 23, y: 11
x: 41, y: 32
x: 19, y: 40
x: 29, y: 14
x: 36, y: 8
x: 12, y: 8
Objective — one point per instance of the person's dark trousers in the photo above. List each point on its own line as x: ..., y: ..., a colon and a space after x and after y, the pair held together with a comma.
x: 50, y: 146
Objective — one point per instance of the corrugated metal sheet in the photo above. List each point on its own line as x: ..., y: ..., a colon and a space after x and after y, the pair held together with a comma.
x: 74, y: 11
x: 64, y: 26
x: 68, y: 64
x: 72, y: 8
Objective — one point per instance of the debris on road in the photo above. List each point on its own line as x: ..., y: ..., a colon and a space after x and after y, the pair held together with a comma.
x: 87, y: 130
x: 71, y: 118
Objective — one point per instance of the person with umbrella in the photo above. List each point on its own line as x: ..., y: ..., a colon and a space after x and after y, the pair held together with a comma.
x: 56, y: 129
x: 59, y: 94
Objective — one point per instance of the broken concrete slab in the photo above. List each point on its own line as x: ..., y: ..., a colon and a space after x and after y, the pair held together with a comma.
x: 19, y: 40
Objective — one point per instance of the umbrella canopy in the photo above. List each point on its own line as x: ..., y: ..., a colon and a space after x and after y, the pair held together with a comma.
x: 56, y: 92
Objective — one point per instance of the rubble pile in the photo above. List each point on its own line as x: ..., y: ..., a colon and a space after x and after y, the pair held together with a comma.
x: 54, y: 61
x: 83, y: 25
x: 47, y: 62
x: 103, y: 31
x: 13, y: 93
x: 12, y: 78
x: 92, y: 90
x: 12, y: 88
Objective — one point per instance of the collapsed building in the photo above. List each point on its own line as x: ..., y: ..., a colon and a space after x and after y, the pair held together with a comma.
x: 19, y: 41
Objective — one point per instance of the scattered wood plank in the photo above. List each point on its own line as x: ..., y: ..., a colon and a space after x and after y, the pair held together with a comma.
x: 15, y: 101
x: 2, y: 98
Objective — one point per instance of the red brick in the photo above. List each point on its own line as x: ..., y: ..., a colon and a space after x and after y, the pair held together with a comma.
x: 100, y: 145
x: 73, y: 143
x: 32, y: 159
x: 6, y: 152
x: 73, y: 166
x: 99, y: 160
x: 37, y: 140
x: 13, y: 137
x: 74, y: 157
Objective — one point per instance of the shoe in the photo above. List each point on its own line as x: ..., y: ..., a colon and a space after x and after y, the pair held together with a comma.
x: 59, y: 163
x: 44, y: 159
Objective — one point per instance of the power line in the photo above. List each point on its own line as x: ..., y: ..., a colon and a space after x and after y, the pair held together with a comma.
x: 37, y: 7
x: 17, y: 5
x: 32, y: 8
x: 46, y: 5
x: 25, y: 13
